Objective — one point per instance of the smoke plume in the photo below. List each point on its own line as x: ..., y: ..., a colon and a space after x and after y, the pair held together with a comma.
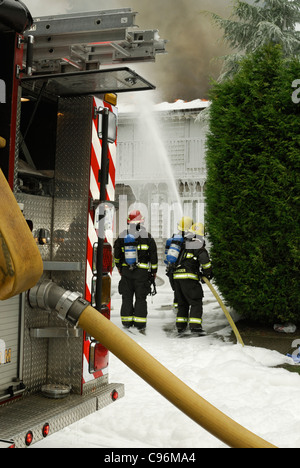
x: 194, y: 42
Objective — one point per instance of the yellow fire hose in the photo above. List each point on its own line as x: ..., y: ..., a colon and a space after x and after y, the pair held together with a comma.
x: 166, y: 383
x: 227, y: 314
x: 20, y: 261
x: 2, y: 142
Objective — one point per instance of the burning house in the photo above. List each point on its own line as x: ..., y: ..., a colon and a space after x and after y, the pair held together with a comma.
x: 161, y: 163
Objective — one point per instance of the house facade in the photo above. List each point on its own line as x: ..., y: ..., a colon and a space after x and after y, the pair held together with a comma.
x: 160, y: 165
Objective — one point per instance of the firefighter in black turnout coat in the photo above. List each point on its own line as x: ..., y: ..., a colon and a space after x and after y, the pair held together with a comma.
x: 135, y: 255
x: 193, y: 263
x: 184, y: 224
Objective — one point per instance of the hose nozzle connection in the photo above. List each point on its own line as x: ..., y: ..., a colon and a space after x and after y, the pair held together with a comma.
x: 49, y: 296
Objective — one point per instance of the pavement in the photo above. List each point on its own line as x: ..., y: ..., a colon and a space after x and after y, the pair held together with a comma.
x: 264, y: 336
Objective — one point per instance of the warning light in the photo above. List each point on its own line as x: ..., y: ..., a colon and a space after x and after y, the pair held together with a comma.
x: 106, y: 290
x: 114, y: 395
x: 28, y: 438
x: 111, y: 98
x: 46, y: 429
x: 7, y: 444
x: 107, y: 258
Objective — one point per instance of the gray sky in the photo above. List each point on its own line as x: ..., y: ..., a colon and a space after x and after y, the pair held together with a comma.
x: 194, y: 43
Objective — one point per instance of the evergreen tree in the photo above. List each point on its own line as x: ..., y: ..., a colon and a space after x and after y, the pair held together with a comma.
x: 253, y: 187
x: 256, y: 23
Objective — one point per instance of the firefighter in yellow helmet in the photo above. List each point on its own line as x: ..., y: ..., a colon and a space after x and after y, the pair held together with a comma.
x: 184, y: 224
x: 197, y: 229
x: 135, y: 254
x: 172, y: 247
x: 194, y: 262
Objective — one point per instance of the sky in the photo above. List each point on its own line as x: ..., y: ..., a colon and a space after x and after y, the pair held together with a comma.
x: 194, y: 45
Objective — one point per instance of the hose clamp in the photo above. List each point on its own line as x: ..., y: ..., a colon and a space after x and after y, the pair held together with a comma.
x: 65, y: 302
x: 76, y: 310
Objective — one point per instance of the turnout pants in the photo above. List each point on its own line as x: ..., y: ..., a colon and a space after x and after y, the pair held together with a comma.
x: 171, y: 280
x: 134, y: 287
x: 189, y: 295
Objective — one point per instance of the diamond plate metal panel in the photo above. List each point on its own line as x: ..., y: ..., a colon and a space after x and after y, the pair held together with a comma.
x: 72, y: 186
x: 31, y: 413
x: 70, y: 213
x: 59, y: 360
x: 35, y: 356
x: 39, y: 211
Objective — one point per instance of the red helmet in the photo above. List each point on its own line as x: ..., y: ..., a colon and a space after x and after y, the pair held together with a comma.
x: 135, y: 217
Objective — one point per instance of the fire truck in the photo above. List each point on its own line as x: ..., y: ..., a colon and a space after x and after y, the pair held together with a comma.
x: 59, y: 81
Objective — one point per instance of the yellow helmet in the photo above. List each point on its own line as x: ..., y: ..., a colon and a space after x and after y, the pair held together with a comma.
x: 198, y: 229
x: 185, y: 223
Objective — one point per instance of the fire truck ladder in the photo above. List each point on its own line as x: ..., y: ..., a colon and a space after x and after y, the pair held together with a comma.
x: 67, y: 55
x: 86, y: 41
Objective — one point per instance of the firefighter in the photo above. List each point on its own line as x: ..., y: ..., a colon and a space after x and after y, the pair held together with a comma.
x: 135, y: 255
x: 183, y: 226
x: 194, y: 262
x: 197, y: 229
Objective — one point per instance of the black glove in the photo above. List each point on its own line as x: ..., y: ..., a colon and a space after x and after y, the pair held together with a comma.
x: 208, y: 275
x: 152, y: 277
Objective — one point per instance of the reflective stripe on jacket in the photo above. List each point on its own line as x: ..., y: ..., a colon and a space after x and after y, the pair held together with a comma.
x: 194, y: 258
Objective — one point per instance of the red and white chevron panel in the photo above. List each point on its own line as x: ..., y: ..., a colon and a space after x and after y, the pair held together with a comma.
x: 94, y: 194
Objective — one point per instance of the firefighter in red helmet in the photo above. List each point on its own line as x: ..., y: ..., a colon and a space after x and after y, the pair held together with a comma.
x: 135, y: 255
x: 135, y: 217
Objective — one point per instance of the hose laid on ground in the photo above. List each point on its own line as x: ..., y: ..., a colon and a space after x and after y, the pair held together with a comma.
x: 76, y: 310
x: 21, y: 264
x: 166, y: 383
x: 227, y: 314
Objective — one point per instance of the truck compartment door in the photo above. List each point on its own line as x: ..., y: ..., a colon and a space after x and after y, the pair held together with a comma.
x: 9, y: 346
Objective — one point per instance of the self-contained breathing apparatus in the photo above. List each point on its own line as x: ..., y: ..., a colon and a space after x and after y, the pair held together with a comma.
x: 130, y: 251
x: 131, y: 258
x: 176, y: 245
x: 173, y: 254
x: 173, y: 249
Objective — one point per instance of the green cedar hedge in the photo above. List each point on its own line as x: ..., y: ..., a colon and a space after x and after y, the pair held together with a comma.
x: 252, y: 190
